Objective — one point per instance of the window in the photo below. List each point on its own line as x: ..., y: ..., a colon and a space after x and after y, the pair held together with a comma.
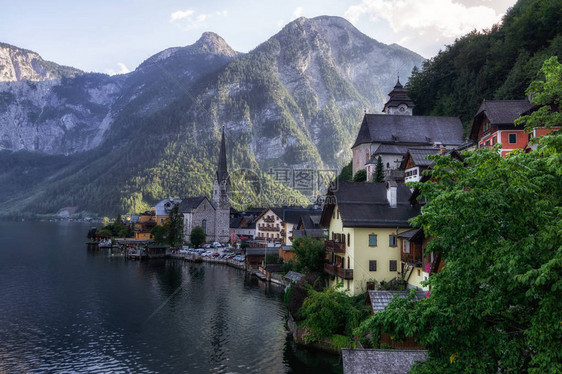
x: 372, y: 240
x: 204, y: 225
x: 405, y: 246
x: 161, y: 220
x: 392, y: 240
x: 372, y: 265
x: 348, y: 240
x: 393, y: 264
x: 494, y: 140
x: 512, y: 138
x: 487, y: 142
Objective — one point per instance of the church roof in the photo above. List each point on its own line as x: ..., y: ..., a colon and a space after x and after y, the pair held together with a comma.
x: 190, y: 203
x: 412, y: 130
x: 222, y: 170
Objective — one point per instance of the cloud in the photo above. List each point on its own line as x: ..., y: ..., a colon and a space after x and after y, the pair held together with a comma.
x: 445, y: 17
x: 188, y: 20
x: 123, y: 69
x: 297, y: 13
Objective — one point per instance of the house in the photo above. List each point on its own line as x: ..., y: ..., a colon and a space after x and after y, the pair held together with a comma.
x: 415, y: 161
x: 389, y: 135
x: 144, y: 224
x: 309, y: 226
x: 277, y: 224
x: 494, y: 123
x: 162, y: 209
x: 363, y: 221
x: 213, y: 217
x: 243, y: 224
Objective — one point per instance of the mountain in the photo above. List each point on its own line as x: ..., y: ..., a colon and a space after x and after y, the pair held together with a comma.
x: 18, y: 64
x: 293, y: 102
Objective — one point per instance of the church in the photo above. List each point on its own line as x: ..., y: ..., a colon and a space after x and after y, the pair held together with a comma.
x: 213, y: 216
x: 391, y: 134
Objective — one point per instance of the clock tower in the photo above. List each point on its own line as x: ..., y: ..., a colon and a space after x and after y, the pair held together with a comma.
x: 399, y: 103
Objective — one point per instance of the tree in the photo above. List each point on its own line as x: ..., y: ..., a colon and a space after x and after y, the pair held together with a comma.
x: 310, y: 254
x: 160, y: 234
x: 379, y: 173
x: 346, y: 174
x: 360, y: 176
x: 174, y: 227
x: 198, y: 236
x: 497, y: 222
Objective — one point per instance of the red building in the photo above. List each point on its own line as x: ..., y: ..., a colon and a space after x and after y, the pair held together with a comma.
x: 493, y: 123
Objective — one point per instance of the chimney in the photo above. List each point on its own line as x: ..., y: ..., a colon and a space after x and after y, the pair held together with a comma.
x: 391, y: 193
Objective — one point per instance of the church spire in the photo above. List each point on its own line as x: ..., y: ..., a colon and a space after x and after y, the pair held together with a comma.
x: 222, y: 171
x: 399, y: 102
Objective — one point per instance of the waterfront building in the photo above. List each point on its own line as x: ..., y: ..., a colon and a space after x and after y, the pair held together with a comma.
x: 278, y: 223
x: 364, y: 221
x: 162, y: 209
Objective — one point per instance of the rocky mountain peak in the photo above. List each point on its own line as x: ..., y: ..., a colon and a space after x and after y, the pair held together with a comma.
x: 17, y: 64
x: 213, y: 43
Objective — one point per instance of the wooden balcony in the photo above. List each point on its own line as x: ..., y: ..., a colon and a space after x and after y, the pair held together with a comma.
x: 265, y: 228
x: 268, y: 219
x: 412, y: 258
x: 335, y: 247
x: 332, y: 269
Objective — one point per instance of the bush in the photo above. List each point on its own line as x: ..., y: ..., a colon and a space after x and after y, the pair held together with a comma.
x: 198, y: 236
x: 298, y: 292
x: 272, y: 258
x: 360, y: 176
x: 309, y: 254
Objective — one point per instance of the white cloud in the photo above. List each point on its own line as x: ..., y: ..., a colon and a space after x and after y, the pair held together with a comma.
x: 123, y: 69
x: 445, y: 17
x: 297, y: 13
x: 188, y: 20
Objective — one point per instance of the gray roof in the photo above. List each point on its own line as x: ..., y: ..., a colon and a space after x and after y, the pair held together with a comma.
x: 381, y: 298
x: 261, y: 251
x: 311, y: 233
x: 190, y: 203
x: 413, y: 130
x: 399, y: 95
x: 293, y: 276
x: 383, y: 361
x: 503, y: 112
x: 411, y: 234
x: 366, y: 205
x: 419, y: 155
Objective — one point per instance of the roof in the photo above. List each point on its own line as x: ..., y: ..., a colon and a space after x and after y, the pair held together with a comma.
x: 500, y: 112
x: 383, y: 361
x: 261, y: 251
x: 366, y: 205
x: 412, y: 130
x: 293, y: 276
x: 163, y: 207
x: 235, y: 222
x: 311, y: 233
x: 381, y: 298
x: 419, y: 155
x: 291, y: 214
x: 190, y: 203
x: 412, y: 234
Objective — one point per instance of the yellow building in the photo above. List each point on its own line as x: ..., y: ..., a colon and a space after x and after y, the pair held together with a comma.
x: 364, y: 221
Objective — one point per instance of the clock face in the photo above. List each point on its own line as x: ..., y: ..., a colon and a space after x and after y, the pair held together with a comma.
x: 402, y: 108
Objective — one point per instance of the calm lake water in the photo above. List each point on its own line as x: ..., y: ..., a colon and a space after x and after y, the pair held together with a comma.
x: 64, y: 309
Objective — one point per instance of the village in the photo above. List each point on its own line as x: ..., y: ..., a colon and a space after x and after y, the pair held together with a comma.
x: 360, y: 236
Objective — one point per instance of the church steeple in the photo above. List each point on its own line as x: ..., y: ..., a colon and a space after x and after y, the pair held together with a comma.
x: 399, y: 102
x: 222, y: 170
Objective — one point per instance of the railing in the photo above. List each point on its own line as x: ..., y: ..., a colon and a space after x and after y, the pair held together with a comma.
x: 413, y: 258
x: 332, y: 269
x: 265, y: 228
x: 335, y: 247
x: 268, y: 219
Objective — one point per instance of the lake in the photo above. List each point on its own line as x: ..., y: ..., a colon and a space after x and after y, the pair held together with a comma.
x: 66, y: 309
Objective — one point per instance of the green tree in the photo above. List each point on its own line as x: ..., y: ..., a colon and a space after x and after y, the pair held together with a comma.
x: 198, y: 236
x: 379, y: 173
x: 346, y: 174
x: 174, y: 226
x: 547, y: 93
x: 160, y: 234
x: 309, y: 254
x: 360, y: 176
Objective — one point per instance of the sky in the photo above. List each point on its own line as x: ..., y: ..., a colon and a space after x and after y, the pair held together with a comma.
x: 115, y: 36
